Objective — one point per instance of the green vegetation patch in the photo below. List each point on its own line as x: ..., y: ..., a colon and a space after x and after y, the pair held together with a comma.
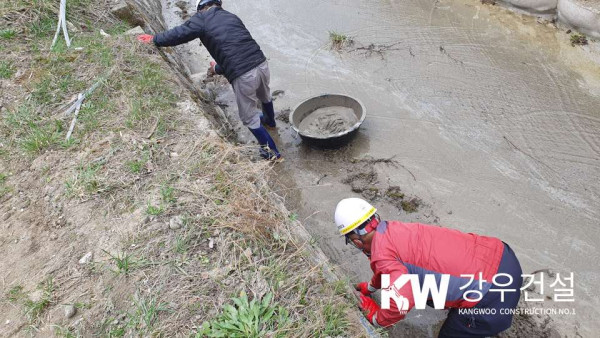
x: 339, y: 40
x: 578, y: 39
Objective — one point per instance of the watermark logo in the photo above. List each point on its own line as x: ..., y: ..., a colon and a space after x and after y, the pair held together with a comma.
x: 420, y: 292
x: 436, y: 290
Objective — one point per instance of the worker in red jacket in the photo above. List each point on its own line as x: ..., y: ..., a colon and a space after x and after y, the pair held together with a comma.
x: 482, y: 274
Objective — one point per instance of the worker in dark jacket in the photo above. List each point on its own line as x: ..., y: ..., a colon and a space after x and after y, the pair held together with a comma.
x: 238, y: 57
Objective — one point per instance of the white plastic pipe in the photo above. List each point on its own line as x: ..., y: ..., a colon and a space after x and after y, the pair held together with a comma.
x: 62, y: 23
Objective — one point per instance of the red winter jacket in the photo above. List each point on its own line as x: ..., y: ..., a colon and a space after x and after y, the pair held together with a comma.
x: 399, y: 248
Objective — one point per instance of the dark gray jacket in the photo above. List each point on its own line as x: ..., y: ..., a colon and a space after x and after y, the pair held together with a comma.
x: 224, y: 36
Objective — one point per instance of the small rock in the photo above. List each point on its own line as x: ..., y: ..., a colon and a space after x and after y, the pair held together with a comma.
x: 176, y: 222
x: 20, y: 72
x: 197, y: 77
x: 248, y: 254
x: 174, y: 154
x: 104, y: 34
x: 135, y: 31
x: 6, y: 216
x: 115, y: 322
x: 211, y: 243
x: 36, y: 295
x: 449, y: 212
x: 71, y: 27
x: 53, y: 236
x: 124, y: 12
x: 70, y: 311
x: 277, y: 94
x: 25, y: 204
x: 86, y: 258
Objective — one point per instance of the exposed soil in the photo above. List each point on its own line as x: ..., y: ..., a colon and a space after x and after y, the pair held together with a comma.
x: 183, y: 6
x: 364, y: 184
x: 283, y: 115
x: 394, y: 193
x: 578, y: 39
x: 376, y: 49
x: 339, y: 41
x: 395, y: 196
x: 488, y: 2
x: 411, y: 205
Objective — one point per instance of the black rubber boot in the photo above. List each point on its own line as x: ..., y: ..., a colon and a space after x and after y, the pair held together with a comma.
x: 268, y: 117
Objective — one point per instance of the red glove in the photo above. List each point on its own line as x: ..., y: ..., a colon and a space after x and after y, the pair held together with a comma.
x: 369, y: 307
x: 363, y: 288
x: 145, y: 38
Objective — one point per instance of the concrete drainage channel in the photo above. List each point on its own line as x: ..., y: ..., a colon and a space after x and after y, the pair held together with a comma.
x: 365, y: 168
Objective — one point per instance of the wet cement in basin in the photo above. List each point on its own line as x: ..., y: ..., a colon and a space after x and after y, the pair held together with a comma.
x: 328, y: 121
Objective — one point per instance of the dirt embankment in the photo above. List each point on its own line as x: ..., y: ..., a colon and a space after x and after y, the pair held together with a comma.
x: 144, y: 222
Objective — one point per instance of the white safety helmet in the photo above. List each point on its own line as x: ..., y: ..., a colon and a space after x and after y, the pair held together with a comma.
x: 352, y: 212
x: 207, y: 2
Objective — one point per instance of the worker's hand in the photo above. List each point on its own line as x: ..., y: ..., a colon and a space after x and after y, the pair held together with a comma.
x: 369, y: 307
x: 363, y: 288
x: 211, y: 70
x: 145, y: 38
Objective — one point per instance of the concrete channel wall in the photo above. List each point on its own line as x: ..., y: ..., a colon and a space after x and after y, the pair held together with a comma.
x: 583, y: 15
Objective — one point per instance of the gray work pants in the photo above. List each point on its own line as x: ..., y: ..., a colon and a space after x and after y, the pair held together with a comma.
x: 249, y: 88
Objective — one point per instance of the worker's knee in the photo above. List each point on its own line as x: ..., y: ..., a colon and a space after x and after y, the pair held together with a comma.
x: 502, y: 323
x: 251, y: 120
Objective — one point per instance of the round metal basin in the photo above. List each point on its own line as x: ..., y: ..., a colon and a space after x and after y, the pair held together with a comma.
x: 328, y: 140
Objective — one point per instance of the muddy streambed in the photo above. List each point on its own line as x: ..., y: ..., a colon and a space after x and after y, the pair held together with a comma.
x: 478, y: 119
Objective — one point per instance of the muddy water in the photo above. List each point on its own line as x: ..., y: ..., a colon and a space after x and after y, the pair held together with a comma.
x: 493, y: 121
